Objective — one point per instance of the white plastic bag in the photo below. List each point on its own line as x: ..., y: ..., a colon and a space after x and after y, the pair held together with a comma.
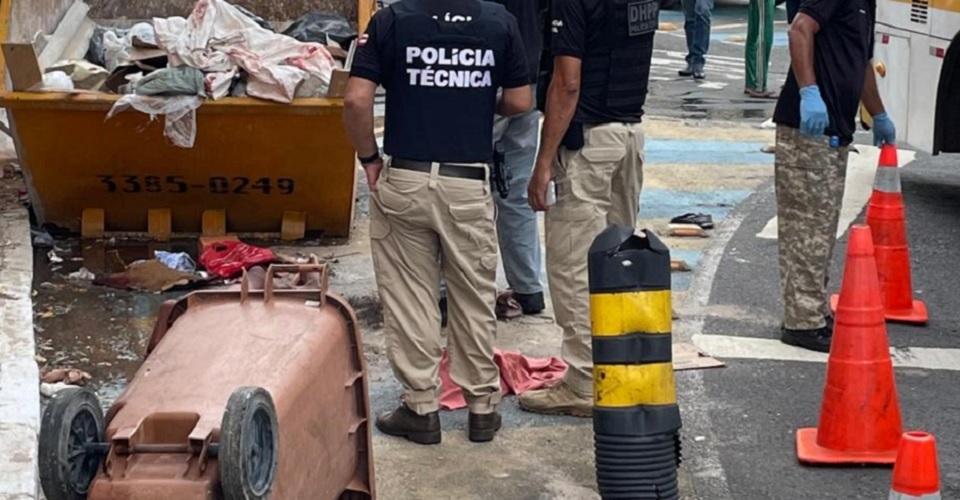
x: 116, y: 50
x: 57, y: 81
x: 180, y: 124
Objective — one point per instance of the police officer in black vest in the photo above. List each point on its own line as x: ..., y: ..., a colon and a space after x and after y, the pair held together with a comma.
x: 592, y: 148
x: 442, y: 63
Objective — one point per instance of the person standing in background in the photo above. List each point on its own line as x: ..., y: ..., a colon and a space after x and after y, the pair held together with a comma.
x: 758, y: 48
x: 831, y: 44
x: 592, y: 148
x: 697, y: 15
x: 516, y: 221
x: 448, y: 66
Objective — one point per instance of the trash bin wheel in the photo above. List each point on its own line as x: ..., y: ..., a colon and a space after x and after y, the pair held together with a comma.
x: 72, y: 420
x: 249, y: 440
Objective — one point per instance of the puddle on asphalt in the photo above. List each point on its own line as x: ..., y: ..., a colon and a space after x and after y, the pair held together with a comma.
x: 700, y: 108
x: 100, y: 330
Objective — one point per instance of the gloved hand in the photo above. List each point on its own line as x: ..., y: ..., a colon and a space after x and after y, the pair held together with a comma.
x: 813, y: 112
x: 884, y: 131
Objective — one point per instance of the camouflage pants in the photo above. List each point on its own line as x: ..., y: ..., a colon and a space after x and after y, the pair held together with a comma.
x: 810, y: 177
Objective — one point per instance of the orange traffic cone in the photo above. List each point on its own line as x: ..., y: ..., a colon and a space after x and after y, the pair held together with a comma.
x: 887, y: 220
x: 860, y: 416
x: 916, y: 474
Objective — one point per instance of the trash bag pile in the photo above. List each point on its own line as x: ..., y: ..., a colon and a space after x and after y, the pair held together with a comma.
x: 171, y: 65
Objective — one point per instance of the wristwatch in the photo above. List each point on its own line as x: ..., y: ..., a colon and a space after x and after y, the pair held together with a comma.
x: 369, y: 159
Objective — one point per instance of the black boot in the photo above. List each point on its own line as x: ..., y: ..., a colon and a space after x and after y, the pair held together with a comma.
x: 406, y: 423
x: 531, y: 303
x: 688, y: 71
x: 815, y: 340
x: 484, y: 427
x: 698, y: 72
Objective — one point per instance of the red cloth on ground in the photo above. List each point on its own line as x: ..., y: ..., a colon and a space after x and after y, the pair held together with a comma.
x: 518, y: 374
x: 228, y: 259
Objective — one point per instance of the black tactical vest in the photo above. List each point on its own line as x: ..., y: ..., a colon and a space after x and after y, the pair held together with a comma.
x: 615, y: 71
x: 443, y: 93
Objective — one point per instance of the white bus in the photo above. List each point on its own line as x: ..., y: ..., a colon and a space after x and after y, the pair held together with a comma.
x: 917, y: 57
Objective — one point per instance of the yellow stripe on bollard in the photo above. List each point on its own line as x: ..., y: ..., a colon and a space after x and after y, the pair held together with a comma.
x: 615, y: 314
x: 626, y: 386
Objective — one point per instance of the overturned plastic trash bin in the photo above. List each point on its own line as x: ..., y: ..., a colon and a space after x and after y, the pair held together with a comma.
x: 243, y: 395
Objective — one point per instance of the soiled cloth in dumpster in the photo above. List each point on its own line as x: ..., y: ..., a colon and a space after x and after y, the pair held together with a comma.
x: 518, y: 374
x: 218, y: 38
x: 148, y: 276
x: 180, y: 124
x: 183, y: 80
x: 228, y: 259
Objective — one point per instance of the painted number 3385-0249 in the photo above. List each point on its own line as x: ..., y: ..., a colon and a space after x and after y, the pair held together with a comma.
x: 179, y: 185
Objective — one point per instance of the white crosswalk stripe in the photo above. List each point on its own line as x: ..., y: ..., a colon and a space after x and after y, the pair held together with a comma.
x: 666, y: 63
x: 861, y: 168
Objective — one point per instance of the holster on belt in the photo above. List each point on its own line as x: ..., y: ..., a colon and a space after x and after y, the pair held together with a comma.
x: 498, y: 171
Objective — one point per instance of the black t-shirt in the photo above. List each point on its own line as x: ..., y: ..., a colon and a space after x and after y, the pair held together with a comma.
x: 842, y: 49
x: 579, y: 29
x: 441, y: 116
x: 529, y: 14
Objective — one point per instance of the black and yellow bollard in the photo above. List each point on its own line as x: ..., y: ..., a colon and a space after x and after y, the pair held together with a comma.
x: 636, y: 419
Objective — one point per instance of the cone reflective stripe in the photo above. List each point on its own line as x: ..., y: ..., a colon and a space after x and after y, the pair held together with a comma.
x: 636, y: 419
x: 860, y: 415
x: 886, y: 217
x: 916, y: 474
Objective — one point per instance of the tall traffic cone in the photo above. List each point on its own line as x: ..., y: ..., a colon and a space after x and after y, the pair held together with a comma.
x: 916, y: 474
x: 887, y: 220
x: 860, y: 416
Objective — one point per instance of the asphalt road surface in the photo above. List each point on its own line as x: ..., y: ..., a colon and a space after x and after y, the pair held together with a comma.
x: 742, y: 420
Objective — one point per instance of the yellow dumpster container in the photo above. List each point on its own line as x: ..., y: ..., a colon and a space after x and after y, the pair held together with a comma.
x: 254, y: 159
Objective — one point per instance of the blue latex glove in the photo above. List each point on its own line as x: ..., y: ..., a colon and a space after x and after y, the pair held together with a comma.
x: 813, y: 112
x: 884, y: 131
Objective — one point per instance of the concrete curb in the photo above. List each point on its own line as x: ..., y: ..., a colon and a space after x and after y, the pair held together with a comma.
x: 19, y: 375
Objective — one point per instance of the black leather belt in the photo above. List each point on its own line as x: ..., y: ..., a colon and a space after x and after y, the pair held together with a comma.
x: 476, y: 173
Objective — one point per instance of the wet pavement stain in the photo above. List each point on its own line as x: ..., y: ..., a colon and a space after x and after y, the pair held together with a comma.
x: 100, y: 330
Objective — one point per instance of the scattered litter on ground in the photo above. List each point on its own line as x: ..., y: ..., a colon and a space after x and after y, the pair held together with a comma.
x: 228, y: 259
x: 53, y: 257
x: 48, y: 390
x: 687, y: 357
x: 148, y: 276
x: 83, y: 274
x: 686, y: 231
x: 518, y: 374
x: 177, y: 261
x: 680, y: 266
x: 767, y: 125
x: 70, y: 376
x: 40, y: 359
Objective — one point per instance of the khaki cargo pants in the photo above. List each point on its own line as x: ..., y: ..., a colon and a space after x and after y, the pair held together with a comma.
x: 810, y: 178
x: 596, y: 186
x: 422, y: 225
